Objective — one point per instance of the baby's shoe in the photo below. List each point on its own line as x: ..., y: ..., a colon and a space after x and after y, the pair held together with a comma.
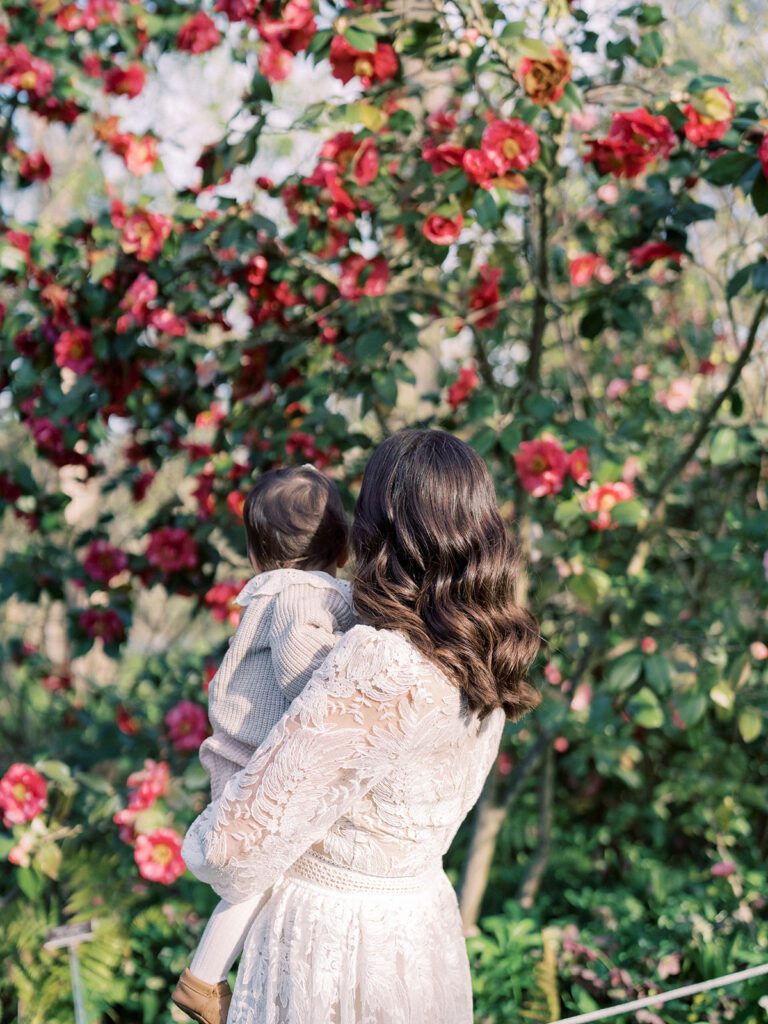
x: 203, y: 1002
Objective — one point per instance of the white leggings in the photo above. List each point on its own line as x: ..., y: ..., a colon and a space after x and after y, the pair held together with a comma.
x: 223, y: 939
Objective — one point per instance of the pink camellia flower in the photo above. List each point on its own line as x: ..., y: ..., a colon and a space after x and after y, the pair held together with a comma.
x: 148, y: 784
x: 542, y: 466
x: 603, y: 499
x: 466, y: 382
x: 144, y: 234
x: 442, y: 230
x: 677, y: 396
x: 23, y: 794
x: 138, y: 152
x: 167, y: 322
x: 198, y: 34
x: 588, y: 266
x: 348, y: 63
x: 127, y: 81
x: 578, y: 466
x: 275, y: 62
x: 158, y: 856
x: 510, y: 145
x: 360, y: 277
x: 648, y: 645
x: 582, y: 697
x: 20, y: 70
x: 561, y: 744
x: 442, y: 156
x: 172, y: 549
x: 103, y: 623
x: 479, y: 168
x: 552, y: 674
x: 710, y: 114
x: 187, y: 725
x: 723, y: 868
x: 643, y: 255
x: 504, y: 763
x: 103, y: 561
x: 221, y: 600
x: 136, y: 302
x: 758, y: 650
x: 73, y: 350
x: 34, y: 167
x: 485, y: 297
x: 616, y: 388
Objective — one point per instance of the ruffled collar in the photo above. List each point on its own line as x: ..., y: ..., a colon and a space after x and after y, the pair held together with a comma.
x: 266, y: 584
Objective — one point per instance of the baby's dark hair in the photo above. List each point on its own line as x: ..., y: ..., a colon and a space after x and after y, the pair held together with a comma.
x: 294, y: 519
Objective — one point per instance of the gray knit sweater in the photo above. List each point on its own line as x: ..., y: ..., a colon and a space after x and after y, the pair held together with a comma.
x: 292, y: 620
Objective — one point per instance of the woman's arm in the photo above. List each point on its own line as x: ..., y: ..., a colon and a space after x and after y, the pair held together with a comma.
x: 352, y: 724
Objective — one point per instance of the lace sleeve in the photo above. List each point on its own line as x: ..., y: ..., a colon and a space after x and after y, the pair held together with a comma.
x: 350, y: 726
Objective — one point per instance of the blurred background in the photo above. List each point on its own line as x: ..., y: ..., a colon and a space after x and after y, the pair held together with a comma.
x: 249, y: 233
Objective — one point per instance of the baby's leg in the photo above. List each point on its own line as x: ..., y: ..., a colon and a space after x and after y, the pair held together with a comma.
x: 223, y: 939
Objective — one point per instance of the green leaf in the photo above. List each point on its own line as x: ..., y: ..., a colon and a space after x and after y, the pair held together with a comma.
x: 536, y: 49
x: 56, y: 770
x: 370, y: 345
x: 645, y: 710
x: 656, y: 671
x: 385, y: 386
x: 724, y: 447
x: 591, y: 586
x: 722, y: 695
x: 739, y: 279
x: 651, y: 49
x: 729, y: 168
x: 370, y: 23
x: 102, y: 266
x: 691, y: 707
x: 485, y: 208
x: 48, y: 860
x: 628, y: 513
x: 568, y: 512
x: 260, y: 88
x: 30, y: 883
x: 760, y: 194
x: 760, y: 276
x: 361, y: 40
x: 750, y: 723
x: 624, y: 672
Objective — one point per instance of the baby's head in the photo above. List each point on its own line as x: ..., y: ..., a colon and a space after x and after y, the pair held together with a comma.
x: 294, y: 519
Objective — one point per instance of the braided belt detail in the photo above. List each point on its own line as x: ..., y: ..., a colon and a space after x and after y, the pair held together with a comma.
x: 314, y: 868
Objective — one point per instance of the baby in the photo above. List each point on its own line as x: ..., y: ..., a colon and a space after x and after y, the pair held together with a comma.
x: 295, y: 612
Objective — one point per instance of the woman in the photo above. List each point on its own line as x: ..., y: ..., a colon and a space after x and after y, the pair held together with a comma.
x: 348, y: 807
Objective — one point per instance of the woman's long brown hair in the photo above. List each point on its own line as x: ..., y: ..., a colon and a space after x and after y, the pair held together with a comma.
x: 434, y: 561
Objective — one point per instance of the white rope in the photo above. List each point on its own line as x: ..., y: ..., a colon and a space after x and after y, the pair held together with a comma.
x: 664, y: 997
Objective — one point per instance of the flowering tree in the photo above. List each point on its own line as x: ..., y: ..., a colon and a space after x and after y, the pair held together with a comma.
x: 535, y: 231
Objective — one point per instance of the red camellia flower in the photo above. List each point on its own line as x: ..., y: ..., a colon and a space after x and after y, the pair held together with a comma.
x: 347, y: 62
x: 635, y: 139
x: 20, y: 70
x: 144, y: 234
x: 586, y: 266
x: 148, y: 784
x: 603, y: 499
x: 275, y: 62
x: 578, y: 466
x: 642, y: 255
x: 23, y: 794
x: 136, y: 301
x: 125, y: 721
x: 187, y: 725
x: 127, y: 81
x: 237, y: 10
x: 346, y: 151
x: 221, y: 600
x: 35, y: 167
x: 710, y: 114
x: 360, y: 277
x: 542, y: 466
x: 172, y: 549
x: 167, y: 322
x: 442, y: 230
x: 73, y: 350
x: 198, y: 34
x: 443, y: 156
x: 544, y: 81
x: 463, y: 386
x: 479, y: 167
x: 158, y: 856
x: 485, y: 296
x: 236, y: 503
x: 510, y: 145
x: 103, y: 561
x: 102, y: 623
x: 762, y: 154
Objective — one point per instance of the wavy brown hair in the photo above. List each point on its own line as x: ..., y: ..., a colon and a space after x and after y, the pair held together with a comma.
x: 435, y: 562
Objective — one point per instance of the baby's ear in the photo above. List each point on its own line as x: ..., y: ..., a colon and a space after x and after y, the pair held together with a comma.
x: 343, y: 558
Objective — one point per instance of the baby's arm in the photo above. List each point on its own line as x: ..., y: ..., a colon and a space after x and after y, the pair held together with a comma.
x: 306, y: 626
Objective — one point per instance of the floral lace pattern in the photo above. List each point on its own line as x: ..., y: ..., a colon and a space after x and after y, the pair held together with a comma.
x: 373, y: 768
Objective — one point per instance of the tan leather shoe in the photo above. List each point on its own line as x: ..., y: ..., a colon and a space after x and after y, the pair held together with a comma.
x: 203, y: 1002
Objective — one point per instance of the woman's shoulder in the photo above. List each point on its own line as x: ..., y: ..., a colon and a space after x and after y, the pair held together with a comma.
x: 277, y: 581
x: 384, y: 653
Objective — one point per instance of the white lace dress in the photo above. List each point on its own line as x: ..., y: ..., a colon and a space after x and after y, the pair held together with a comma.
x: 341, y: 820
